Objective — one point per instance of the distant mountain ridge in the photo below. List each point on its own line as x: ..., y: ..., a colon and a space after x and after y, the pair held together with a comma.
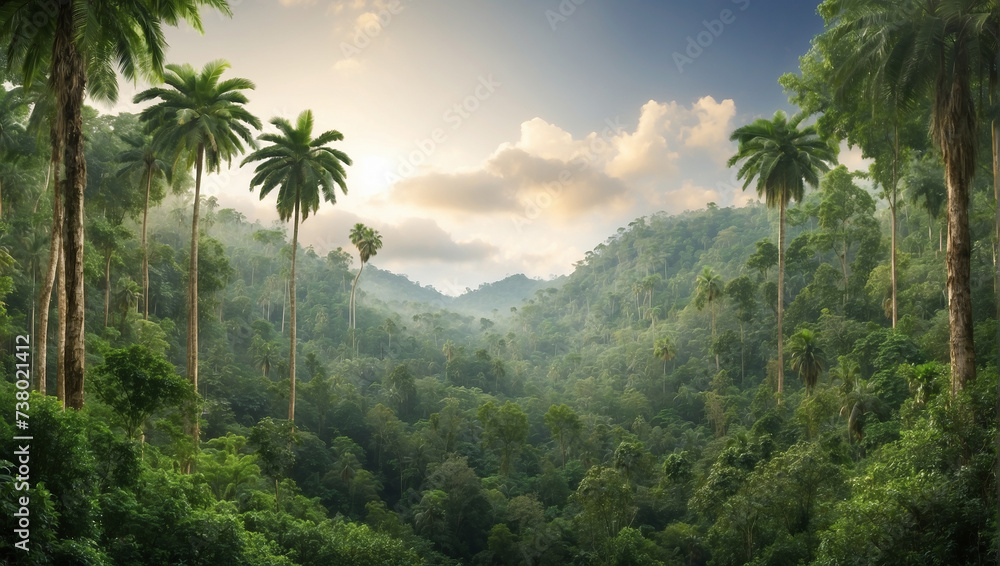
x: 510, y: 291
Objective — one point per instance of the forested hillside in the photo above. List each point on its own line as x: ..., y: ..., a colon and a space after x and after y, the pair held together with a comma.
x: 482, y: 301
x: 778, y: 383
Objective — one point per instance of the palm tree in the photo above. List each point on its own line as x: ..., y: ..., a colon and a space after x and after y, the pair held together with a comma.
x: 663, y: 349
x: 807, y: 357
x: 390, y: 328
x: 930, y: 47
x: 368, y: 242
x: 143, y: 158
x: 783, y: 159
x: 859, y: 400
x: 924, y: 183
x: 13, y: 111
x: 201, y: 119
x: 85, y: 43
x: 265, y: 354
x: 304, y: 168
x: 710, y: 289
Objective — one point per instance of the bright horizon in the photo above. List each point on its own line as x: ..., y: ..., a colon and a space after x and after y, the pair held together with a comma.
x: 492, y: 138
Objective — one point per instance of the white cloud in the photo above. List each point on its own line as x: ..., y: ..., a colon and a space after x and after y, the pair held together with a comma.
x: 647, y: 150
x: 547, y: 170
x: 711, y: 133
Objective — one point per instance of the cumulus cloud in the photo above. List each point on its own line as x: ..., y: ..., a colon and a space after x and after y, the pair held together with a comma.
x: 647, y: 151
x: 711, y: 133
x: 514, y: 181
x: 604, y: 172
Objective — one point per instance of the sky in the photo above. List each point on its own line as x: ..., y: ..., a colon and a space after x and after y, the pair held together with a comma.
x: 494, y: 137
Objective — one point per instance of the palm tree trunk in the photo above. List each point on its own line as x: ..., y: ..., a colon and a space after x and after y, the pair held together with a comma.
x: 892, y: 215
x: 107, y: 286
x: 145, y: 249
x: 781, y: 306
x: 192, y: 338
x: 45, y: 297
x: 743, y: 365
x: 713, y: 338
x: 61, y: 325
x: 995, y: 146
x: 291, y: 300
x: 955, y: 127
x: 70, y: 78
x: 353, y: 315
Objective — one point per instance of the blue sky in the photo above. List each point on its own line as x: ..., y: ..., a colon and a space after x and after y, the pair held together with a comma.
x: 494, y: 137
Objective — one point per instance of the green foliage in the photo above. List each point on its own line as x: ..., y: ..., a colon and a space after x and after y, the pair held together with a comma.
x: 920, y: 498
x: 505, y: 428
x: 136, y: 383
x: 586, y: 423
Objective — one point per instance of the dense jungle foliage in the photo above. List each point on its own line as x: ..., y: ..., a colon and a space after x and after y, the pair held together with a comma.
x: 633, y: 412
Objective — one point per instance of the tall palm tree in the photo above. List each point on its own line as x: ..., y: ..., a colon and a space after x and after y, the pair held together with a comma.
x: 710, y: 289
x: 664, y: 350
x: 85, y: 43
x: 930, y: 48
x: 144, y: 158
x: 368, y: 242
x: 808, y: 357
x: 303, y: 167
x: 783, y: 159
x: 198, y: 118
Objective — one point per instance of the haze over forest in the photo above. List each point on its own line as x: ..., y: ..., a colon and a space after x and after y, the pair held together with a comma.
x: 379, y: 282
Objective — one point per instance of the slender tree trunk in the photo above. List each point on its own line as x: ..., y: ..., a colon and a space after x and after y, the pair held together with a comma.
x: 107, y: 286
x: 45, y: 296
x: 284, y: 293
x: 843, y: 265
x: 69, y: 71
x: 145, y: 249
x: 61, y: 326
x: 353, y: 315
x: 713, y: 338
x: 743, y: 365
x: 781, y: 306
x: 291, y: 299
x: 995, y: 146
x: 892, y: 217
x: 192, y: 338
